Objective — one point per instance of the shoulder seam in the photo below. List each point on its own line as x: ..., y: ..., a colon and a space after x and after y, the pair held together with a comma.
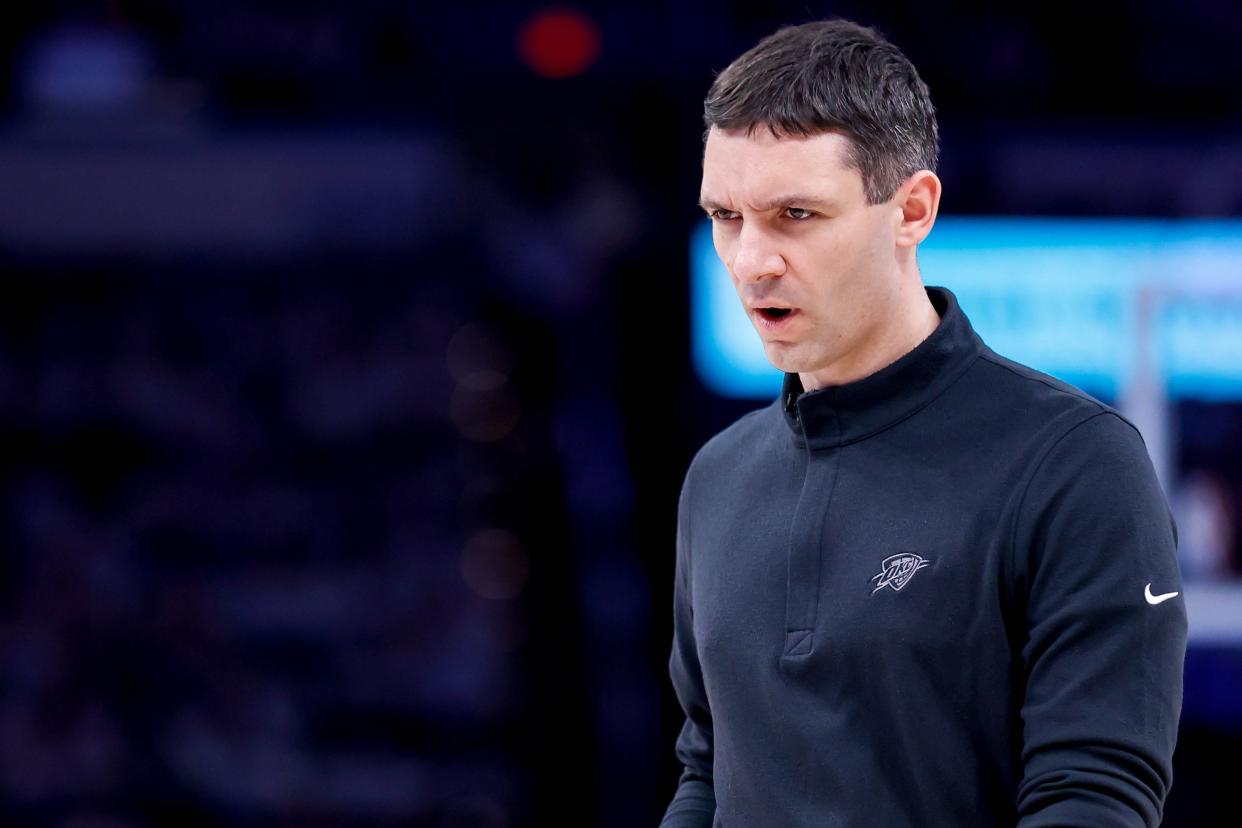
x: 995, y: 359
x: 1080, y: 395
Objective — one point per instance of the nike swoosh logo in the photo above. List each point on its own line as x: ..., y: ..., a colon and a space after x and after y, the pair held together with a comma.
x: 1156, y: 599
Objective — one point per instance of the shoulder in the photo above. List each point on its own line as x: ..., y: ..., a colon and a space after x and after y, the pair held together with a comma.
x: 1085, y: 481
x: 1077, y: 452
x: 1028, y: 386
x: 750, y: 433
x: 1045, y: 409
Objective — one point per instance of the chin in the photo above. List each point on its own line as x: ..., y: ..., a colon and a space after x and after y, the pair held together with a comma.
x: 784, y: 358
x: 794, y: 360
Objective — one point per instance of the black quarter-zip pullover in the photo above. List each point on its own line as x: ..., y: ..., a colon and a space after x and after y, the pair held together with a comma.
x: 936, y: 596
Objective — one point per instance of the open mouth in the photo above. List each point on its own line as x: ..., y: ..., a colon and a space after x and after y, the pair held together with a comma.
x: 774, y: 313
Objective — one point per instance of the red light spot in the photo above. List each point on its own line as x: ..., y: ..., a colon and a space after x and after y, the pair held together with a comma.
x: 558, y: 43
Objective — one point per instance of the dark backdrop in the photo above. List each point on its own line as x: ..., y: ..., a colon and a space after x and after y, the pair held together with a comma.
x: 345, y: 391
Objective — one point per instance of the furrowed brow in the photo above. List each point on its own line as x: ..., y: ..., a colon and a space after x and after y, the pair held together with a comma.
x: 791, y: 200
x: 795, y: 200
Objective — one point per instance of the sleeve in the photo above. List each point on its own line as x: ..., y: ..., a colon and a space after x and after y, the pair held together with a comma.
x: 694, y: 802
x: 1095, y: 550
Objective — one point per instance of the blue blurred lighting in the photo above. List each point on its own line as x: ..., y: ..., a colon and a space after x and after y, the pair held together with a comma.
x: 1096, y: 302
x: 78, y: 67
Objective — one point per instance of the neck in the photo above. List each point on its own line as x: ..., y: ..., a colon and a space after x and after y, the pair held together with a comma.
x: 912, y: 319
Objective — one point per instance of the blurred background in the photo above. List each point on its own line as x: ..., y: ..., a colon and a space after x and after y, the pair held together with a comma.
x: 351, y: 356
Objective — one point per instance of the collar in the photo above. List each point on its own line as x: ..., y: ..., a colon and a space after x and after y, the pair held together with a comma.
x: 840, y: 414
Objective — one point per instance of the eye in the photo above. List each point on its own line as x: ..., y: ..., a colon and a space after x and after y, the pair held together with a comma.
x: 722, y: 215
x: 798, y: 213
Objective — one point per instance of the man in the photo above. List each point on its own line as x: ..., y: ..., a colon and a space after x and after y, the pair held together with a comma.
x: 927, y: 586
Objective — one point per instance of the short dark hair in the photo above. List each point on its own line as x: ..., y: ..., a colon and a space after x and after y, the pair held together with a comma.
x: 833, y: 76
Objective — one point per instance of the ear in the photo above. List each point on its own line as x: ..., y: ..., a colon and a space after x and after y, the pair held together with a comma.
x: 918, y: 200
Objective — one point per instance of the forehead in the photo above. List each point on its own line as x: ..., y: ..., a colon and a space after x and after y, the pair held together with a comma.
x: 750, y: 169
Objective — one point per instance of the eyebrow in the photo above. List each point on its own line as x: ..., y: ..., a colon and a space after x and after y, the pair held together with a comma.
x: 792, y: 199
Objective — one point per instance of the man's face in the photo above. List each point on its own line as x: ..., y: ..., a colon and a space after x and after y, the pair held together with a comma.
x: 792, y: 225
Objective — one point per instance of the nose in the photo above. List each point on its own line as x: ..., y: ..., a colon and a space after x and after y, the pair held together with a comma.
x: 755, y: 255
